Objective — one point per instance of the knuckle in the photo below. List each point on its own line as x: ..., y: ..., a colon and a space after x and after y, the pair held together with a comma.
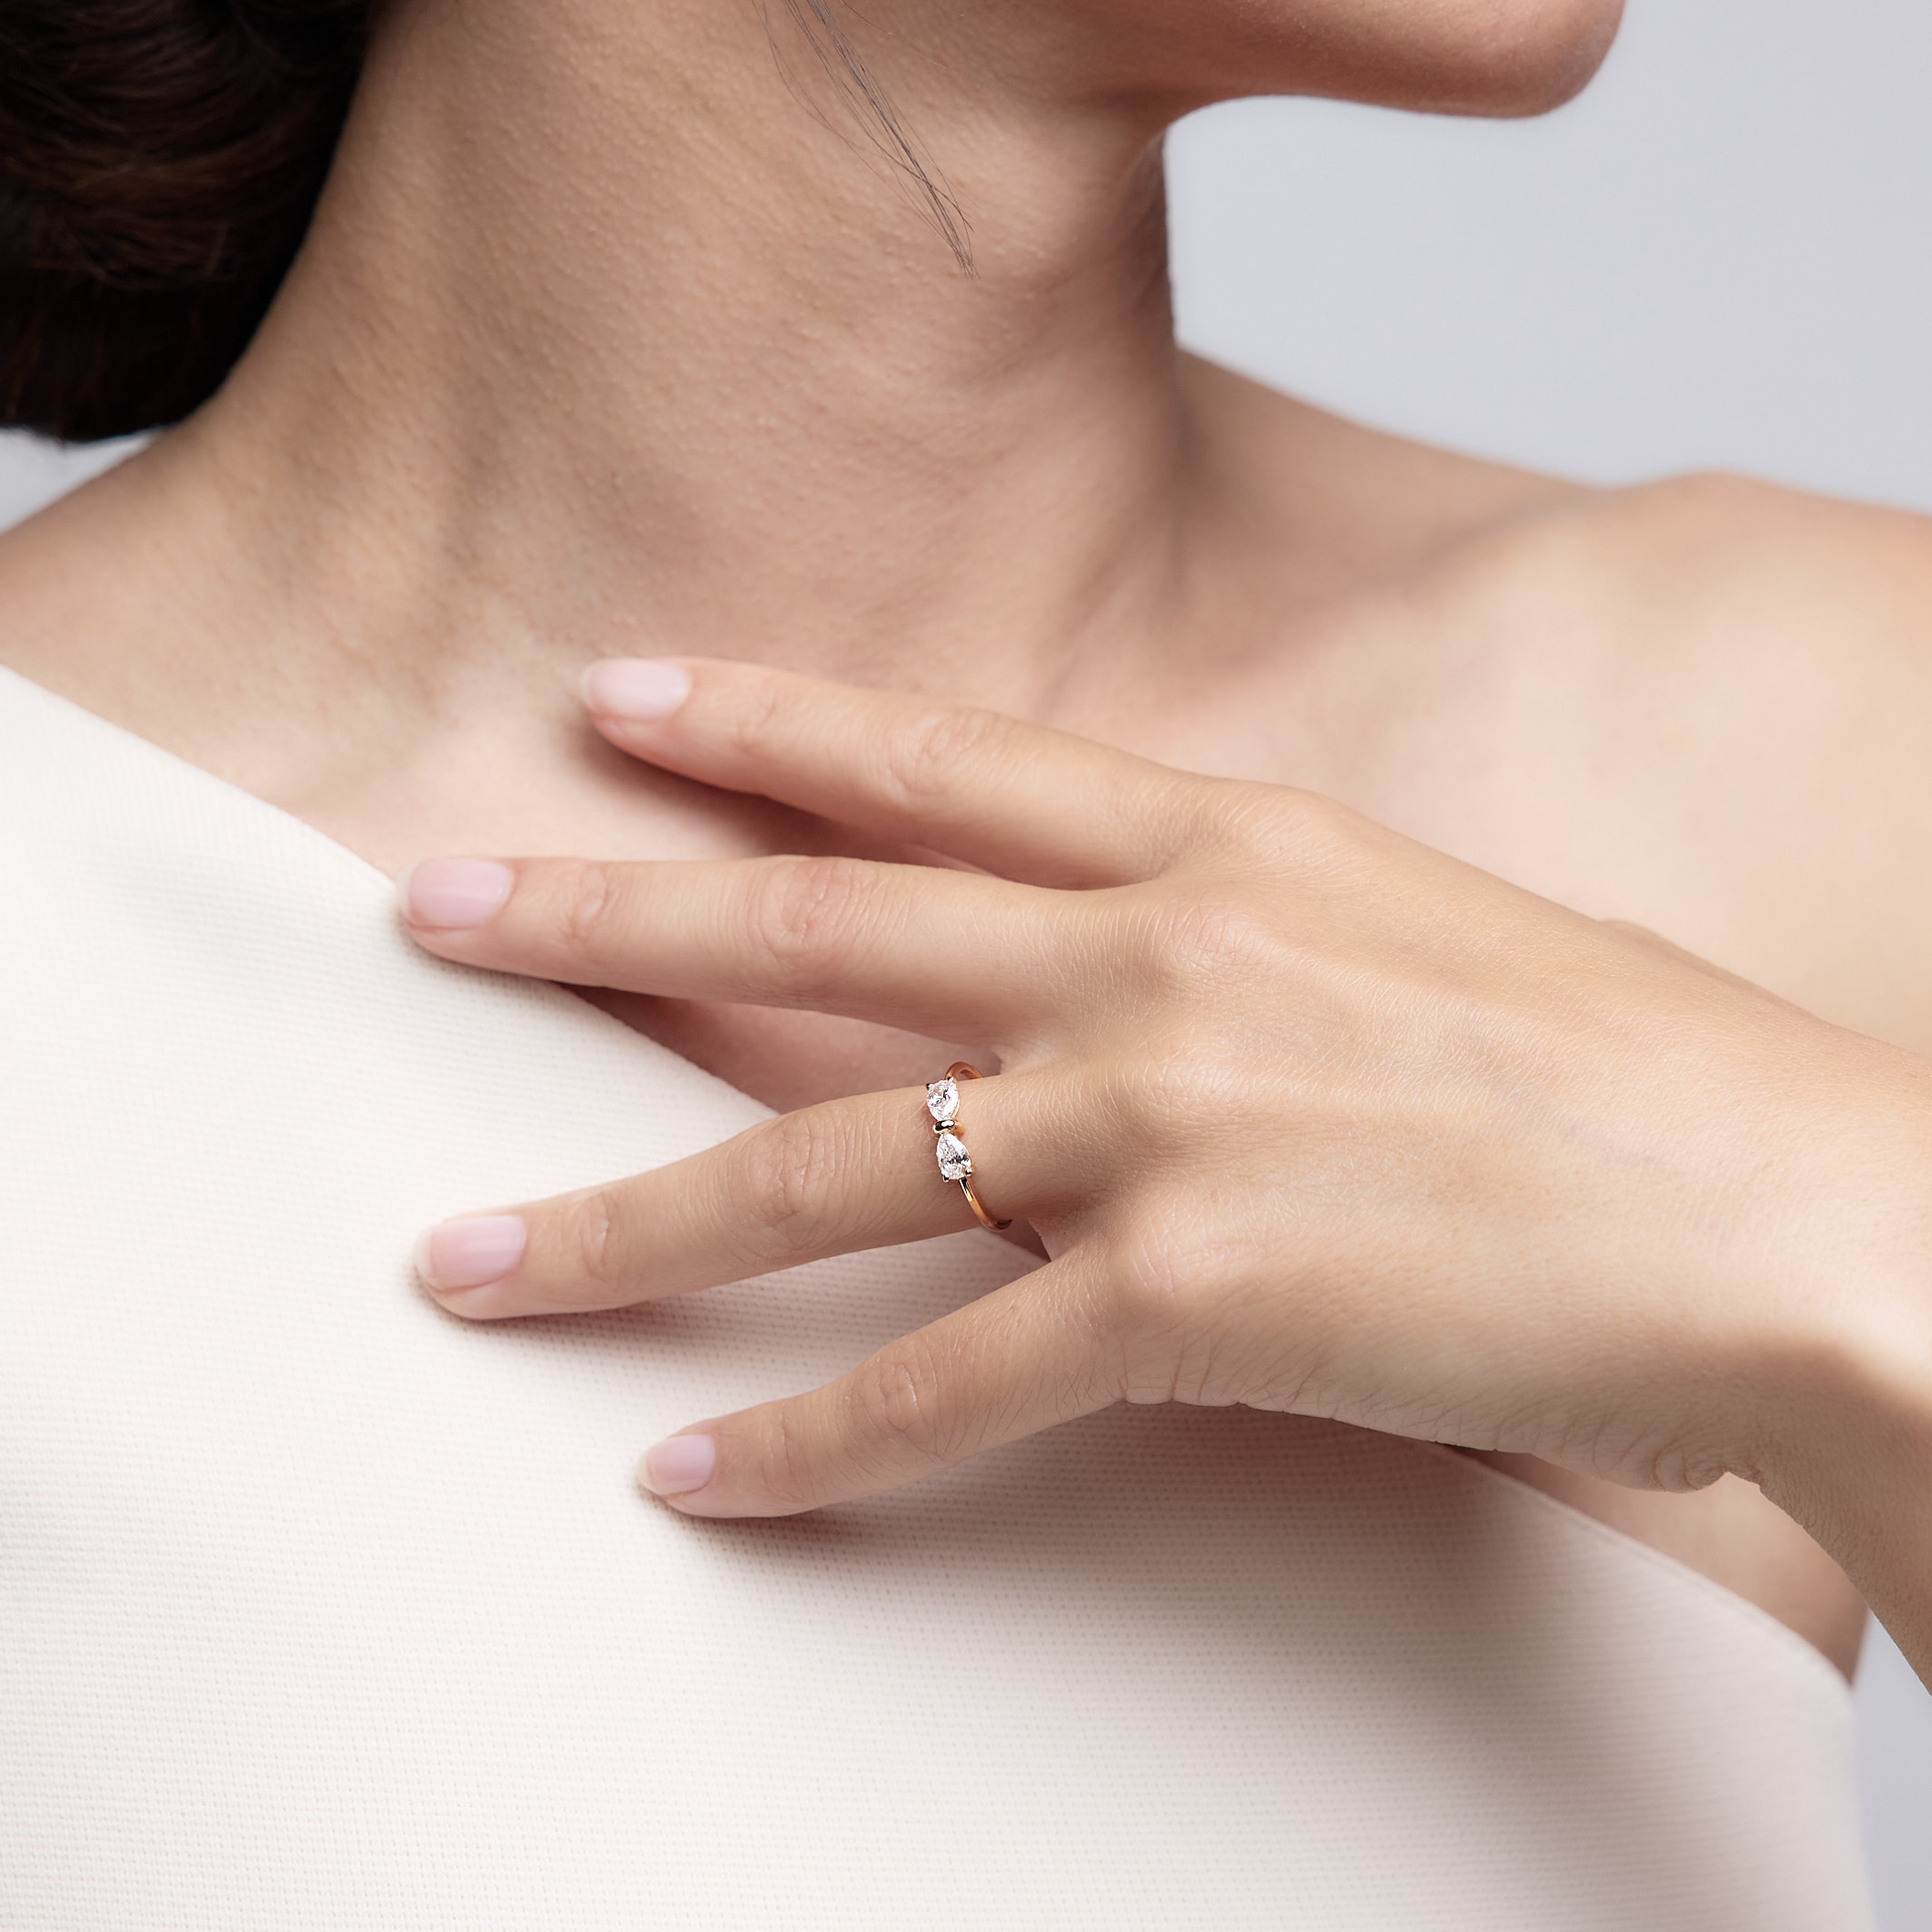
x: 1182, y: 1095
x: 586, y: 912
x: 1146, y: 1298
x: 1653, y: 942
x: 1182, y: 1091
x: 592, y: 1225
x: 788, y: 1467
x: 924, y: 751
x: 591, y: 1266
x: 1235, y: 819
x: 807, y: 913
x: 895, y: 1404
x: 1276, y: 827
x: 1326, y: 845
x: 1215, y: 815
x: 756, y: 710
x: 788, y: 1179
x: 1206, y: 936
x: 1165, y: 1302
x: 1268, y: 830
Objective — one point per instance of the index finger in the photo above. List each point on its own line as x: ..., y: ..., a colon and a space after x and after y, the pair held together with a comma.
x: 1018, y: 799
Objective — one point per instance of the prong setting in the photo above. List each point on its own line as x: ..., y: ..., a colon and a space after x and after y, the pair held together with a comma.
x: 955, y: 1163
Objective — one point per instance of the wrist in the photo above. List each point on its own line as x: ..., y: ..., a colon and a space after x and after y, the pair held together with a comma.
x: 1843, y: 1428
x: 1857, y: 1477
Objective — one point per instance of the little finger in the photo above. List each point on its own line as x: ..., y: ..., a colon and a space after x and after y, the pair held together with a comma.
x: 1013, y: 1363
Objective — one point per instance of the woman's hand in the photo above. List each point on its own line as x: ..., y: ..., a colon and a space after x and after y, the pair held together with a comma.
x: 1309, y: 1117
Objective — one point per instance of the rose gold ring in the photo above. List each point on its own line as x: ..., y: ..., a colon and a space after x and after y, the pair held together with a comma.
x: 955, y: 1163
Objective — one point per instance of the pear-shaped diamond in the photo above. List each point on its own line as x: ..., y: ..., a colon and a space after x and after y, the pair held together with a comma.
x: 942, y: 1101
x: 954, y: 1162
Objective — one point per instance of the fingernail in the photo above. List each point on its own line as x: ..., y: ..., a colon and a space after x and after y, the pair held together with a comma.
x: 680, y: 1466
x: 453, y: 892
x: 469, y: 1253
x: 635, y: 689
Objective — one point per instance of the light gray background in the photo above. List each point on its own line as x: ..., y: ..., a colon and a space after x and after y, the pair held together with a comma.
x: 1720, y: 256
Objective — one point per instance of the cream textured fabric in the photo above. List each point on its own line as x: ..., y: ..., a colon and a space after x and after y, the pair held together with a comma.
x: 322, y: 1609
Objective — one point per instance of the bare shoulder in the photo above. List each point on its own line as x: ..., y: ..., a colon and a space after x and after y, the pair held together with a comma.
x: 1704, y: 704
x: 1355, y: 502
x: 1743, y: 572
x: 1749, y: 669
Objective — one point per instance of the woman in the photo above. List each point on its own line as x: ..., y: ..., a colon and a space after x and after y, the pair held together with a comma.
x: 694, y: 331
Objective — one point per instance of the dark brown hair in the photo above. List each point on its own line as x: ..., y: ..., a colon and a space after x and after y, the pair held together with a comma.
x: 159, y: 164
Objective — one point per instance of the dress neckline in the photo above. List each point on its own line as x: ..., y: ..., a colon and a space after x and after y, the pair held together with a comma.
x: 110, y: 741
x: 128, y: 742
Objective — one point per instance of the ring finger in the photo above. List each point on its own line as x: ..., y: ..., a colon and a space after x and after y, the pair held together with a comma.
x: 825, y: 1180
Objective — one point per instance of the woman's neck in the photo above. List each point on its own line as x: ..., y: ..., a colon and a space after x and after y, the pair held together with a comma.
x: 617, y: 334
x: 613, y: 336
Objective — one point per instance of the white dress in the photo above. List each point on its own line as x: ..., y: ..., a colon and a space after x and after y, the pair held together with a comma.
x: 324, y: 1609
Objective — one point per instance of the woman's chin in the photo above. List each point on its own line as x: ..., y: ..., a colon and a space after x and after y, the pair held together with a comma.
x: 1500, y: 58
x: 1531, y: 56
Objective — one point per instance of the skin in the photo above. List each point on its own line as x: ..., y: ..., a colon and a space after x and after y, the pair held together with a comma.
x: 1357, y: 1130
x: 610, y: 340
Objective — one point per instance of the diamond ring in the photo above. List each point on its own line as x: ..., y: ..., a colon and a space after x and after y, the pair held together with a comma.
x: 955, y: 1163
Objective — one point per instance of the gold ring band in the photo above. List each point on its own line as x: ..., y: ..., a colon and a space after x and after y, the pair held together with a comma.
x: 955, y: 1163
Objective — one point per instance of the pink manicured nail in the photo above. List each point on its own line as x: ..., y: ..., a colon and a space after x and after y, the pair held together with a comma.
x: 680, y: 1466
x: 635, y: 689
x: 469, y: 1253
x: 451, y: 893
